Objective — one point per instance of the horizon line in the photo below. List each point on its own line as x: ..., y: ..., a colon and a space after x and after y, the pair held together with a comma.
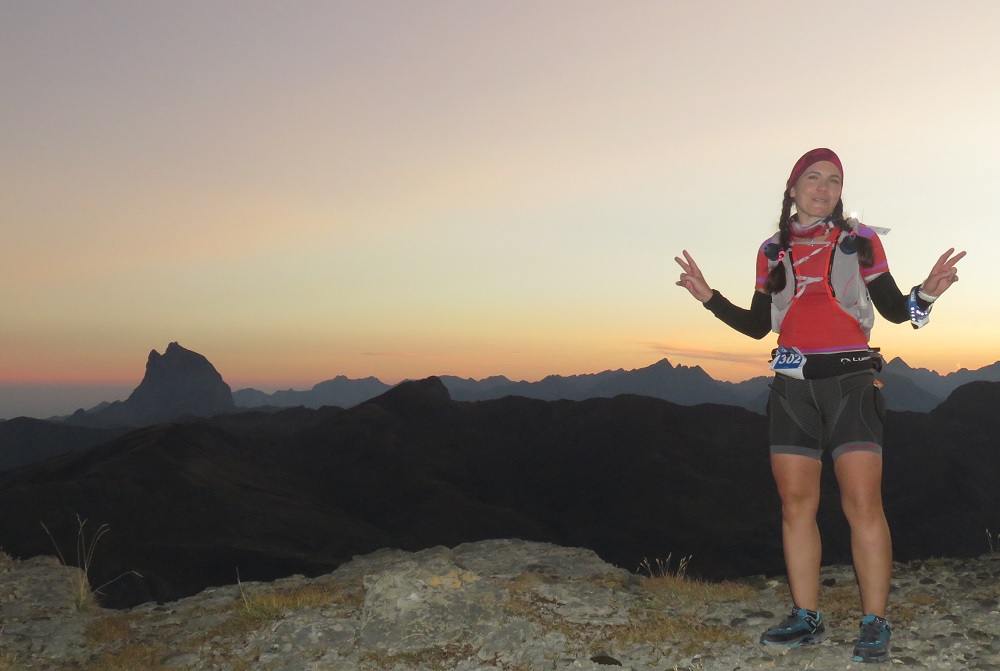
x: 286, y: 385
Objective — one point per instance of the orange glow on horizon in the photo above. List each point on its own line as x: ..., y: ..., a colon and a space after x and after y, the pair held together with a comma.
x: 255, y: 373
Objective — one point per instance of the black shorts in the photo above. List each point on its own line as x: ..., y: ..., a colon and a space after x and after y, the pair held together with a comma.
x: 842, y: 414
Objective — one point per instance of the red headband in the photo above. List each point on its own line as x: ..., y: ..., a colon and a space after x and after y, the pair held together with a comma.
x: 810, y: 157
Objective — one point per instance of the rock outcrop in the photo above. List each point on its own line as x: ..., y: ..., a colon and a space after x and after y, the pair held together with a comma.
x: 497, y: 605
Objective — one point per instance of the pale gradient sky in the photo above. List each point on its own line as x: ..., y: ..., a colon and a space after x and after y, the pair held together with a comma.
x: 300, y: 190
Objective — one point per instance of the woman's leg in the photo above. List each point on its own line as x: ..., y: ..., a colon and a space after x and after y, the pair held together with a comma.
x: 797, y: 478
x: 859, y: 475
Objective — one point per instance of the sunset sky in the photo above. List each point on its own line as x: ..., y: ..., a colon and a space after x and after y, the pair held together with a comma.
x: 304, y: 189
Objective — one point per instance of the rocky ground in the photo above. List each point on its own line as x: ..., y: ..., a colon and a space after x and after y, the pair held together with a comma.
x: 495, y: 605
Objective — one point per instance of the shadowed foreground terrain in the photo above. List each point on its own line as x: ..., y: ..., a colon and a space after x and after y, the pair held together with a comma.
x: 259, y: 496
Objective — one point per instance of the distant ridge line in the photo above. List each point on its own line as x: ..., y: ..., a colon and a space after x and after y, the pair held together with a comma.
x: 906, y: 388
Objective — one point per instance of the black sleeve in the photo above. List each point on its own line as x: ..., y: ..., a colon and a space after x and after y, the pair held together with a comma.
x: 755, y: 322
x: 890, y: 302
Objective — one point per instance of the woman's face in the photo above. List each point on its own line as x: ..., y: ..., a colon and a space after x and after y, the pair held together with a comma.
x: 817, y: 192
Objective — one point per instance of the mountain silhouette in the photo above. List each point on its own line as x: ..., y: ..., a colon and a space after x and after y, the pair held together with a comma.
x: 177, y: 383
x: 906, y: 388
x: 679, y: 384
x: 262, y: 495
x: 181, y: 383
x: 922, y: 390
x: 340, y: 391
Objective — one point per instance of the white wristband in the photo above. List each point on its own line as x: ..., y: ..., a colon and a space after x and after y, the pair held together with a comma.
x: 922, y: 295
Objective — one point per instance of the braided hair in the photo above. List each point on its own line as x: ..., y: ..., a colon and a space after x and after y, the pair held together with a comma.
x: 776, y: 278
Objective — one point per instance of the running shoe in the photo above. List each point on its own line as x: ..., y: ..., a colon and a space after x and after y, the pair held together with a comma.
x: 801, y: 627
x: 873, y: 643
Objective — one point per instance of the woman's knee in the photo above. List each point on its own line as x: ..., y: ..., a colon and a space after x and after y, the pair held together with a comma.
x: 862, y: 507
x: 797, y: 479
x: 799, y: 509
x: 799, y: 500
x: 859, y: 476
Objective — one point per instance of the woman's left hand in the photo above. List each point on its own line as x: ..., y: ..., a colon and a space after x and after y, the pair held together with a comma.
x: 943, y: 274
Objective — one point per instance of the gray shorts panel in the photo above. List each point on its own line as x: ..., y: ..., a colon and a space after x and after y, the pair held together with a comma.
x: 841, y: 414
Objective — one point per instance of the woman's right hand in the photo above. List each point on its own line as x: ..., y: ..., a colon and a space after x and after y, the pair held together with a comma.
x: 692, y: 279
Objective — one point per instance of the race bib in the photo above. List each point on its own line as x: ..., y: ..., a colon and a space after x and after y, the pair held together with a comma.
x: 789, y: 361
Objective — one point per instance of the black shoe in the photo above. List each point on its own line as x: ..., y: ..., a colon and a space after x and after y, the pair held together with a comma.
x: 801, y: 627
x: 873, y: 643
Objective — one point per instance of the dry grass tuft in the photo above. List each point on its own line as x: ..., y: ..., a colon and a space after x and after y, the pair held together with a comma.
x: 678, y: 591
x: 672, y: 585
x: 133, y: 657
x: 664, y: 618
x: 664, y: 567
x: 79, y: 579
x: 109, y: 630
x: 655, y: 627
x: 672, y: 615
x: 114, y: 648
x: 269, y: 605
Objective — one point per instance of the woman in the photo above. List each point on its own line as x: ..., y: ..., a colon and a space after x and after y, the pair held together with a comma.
x: 817, y: 279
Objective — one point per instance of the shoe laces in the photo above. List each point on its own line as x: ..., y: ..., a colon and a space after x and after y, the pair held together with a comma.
x: 800, y: 615
x: 872, y: 628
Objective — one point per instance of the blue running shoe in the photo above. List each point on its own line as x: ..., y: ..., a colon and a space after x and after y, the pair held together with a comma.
x: 801, y: 627
x: 873, y: 643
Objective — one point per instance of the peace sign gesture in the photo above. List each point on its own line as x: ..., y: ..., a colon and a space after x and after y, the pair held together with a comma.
x: 943, y: 274
x: 692, y: 279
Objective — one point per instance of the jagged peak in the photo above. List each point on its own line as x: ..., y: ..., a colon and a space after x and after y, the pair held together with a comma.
x: 174, y: 351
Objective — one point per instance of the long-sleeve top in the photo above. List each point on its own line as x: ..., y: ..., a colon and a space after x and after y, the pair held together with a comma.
x: 890, y: 302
